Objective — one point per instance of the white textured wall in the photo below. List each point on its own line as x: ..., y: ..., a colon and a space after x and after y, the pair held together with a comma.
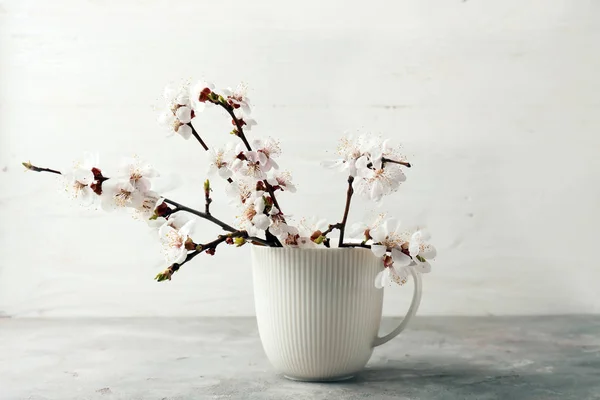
x: 496, y: 102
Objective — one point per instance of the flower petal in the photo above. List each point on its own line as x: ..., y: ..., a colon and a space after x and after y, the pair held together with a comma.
x: 181, y: 255
x: 184, y: 114
x: 378, y: 234
x: 225, y: 172
x: 428, y: 251
x: 259, y: 205
x: 376, y: 191
x: 378, y: 249
x: 391, y: 225
x: 400, y: 259
x: 261, y: 221
x: 361, y: 162
x: 414, y: 248
x: 382, y: 278
x: 332, y: 163
x: 186, y: 228
x: 379, y: 279
x: 399, y: 275
x: 423, y: 267
x: 185, y: 131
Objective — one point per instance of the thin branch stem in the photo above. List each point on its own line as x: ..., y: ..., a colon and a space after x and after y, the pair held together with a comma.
x: 364, y: 245
x: 31, y: 167
x: 207, y: 199
x: 209, y: 217
x: 387, y: 160
x: 331, y: 228
x: 238, y: 124
x: 349, y: 194
x: 197, y: 136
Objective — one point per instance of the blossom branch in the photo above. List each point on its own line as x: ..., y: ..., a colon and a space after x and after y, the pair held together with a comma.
x: 178, y: 207
x: 209, y: 248
x: 220, y: 101
x: 349, y: 194
x: 209, y: 217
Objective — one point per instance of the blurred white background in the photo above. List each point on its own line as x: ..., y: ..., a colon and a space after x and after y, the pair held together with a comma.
x: 496, y: 104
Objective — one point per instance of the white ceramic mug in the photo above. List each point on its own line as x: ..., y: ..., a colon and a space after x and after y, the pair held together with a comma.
x: 318, y: 310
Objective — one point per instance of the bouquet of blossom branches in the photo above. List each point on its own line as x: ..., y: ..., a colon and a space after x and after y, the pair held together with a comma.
x: 373, y: 168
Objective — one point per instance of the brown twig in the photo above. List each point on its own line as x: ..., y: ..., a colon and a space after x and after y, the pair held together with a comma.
x: 197, y: 136
x: 349, y: 194
x: 207, y: 247
x: 207, y: 199
x: 387, y: 160
x: 31, y: 167
x: 209, y: 217
x: 331, y: 228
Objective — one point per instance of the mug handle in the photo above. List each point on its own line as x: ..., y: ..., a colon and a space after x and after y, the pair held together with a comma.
x: 412, y: 310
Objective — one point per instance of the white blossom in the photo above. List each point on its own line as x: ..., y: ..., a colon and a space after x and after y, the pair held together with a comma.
x: 250, y: 165
x: 237, y: 98
x: 376, y: 183
x: 253, y: 219
x: 173, y: 239
x: 178, y: 114
x: 267, y: 149
x: 283, y: 180
x: 386, y: 239
x: 278, y: 225
x: 350, y: 150
x: 362, y: 231
x: 79, y: 180
x: 391, y: 273
x: 373, y: 162
x: 199, y: 93
x: 146, y: 208
x: 120, y: 194
x: 138, y: 172
x: 246, y: 121
x: 240, y: 191
x: 400, y: 249
x: 305, y: 230
x: 420, y: 250
x: 221, y: 161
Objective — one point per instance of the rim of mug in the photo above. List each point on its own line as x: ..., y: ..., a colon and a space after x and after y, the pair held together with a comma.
x: 353, y: 248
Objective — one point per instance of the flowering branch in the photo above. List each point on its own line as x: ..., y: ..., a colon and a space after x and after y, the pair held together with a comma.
x: 208, y: 248
x: 374, y: 169
x: 239, y: 131
x: 178, y: 207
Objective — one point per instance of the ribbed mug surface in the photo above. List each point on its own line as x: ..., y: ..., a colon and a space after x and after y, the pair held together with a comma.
x: 318, y: 310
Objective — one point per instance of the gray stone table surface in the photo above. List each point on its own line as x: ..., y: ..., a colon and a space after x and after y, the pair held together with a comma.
x: 222, y: 358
